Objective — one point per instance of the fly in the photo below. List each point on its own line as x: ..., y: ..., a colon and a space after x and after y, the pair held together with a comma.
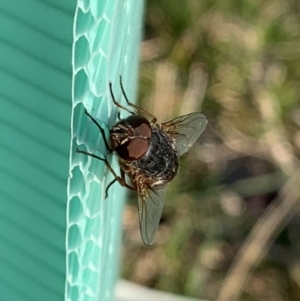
x: 148, y: 154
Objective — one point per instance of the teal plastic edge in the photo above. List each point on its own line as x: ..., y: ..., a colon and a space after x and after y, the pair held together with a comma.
x: 107, y: 38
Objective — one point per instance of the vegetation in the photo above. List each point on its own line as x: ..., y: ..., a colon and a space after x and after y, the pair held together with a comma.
x: 235, y: 200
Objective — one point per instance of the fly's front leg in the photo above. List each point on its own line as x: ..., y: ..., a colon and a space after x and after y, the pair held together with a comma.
x: 115, y: 102
x: 100, y: 129
x: 138, y: 108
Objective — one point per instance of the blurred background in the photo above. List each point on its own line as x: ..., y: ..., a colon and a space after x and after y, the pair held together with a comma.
x: 238, y: 62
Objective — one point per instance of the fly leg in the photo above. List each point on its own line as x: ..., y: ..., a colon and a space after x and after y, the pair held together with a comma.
x: 121, y: 179
x: 138, y: 108
x: 117, y: 103
x: 100, y: 129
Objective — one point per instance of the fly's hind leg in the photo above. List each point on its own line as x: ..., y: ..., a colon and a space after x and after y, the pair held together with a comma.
x: 121, y: 179
x: 122, y: 183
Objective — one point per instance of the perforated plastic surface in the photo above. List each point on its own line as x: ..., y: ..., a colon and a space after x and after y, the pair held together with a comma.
x: 107, y: 36
x: 35, y: 97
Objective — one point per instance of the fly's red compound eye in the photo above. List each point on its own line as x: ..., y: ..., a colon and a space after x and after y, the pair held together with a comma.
x: 133, y: 149
x: 136, y: 144
x: 140, y: 124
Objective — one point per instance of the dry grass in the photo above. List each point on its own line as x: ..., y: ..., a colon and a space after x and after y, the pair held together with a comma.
x: 239, y: 64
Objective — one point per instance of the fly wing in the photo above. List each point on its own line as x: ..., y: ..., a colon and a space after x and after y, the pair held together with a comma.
x: 185, y: 130
x: 150, y: 210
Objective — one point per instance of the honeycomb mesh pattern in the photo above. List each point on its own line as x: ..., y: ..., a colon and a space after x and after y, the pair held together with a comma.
x: 107, y: 36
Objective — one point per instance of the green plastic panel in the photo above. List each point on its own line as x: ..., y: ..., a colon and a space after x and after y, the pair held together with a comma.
x: 35, y: 114
x: 36, y: 41
x: 107, y: 37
